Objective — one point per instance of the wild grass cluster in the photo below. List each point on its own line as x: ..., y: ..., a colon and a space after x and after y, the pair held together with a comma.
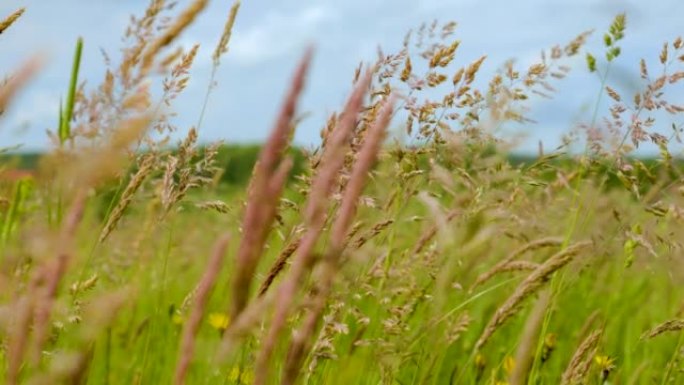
x: 434, y: 260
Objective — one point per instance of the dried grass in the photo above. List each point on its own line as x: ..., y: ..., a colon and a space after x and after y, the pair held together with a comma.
x: 301, y: 343
x: 222, y: 46
x: 17, y: 81
x: 529, y: 286
x: 174, y: 30
x: 667, y: 326
x: 524, y: 356
x: 507, y: 263
x: 317, y: 203
x: 264, y: 192
x: 279, y: 264
x: 9, y: 20
x: 579, y: 363
x: 146, y: 167
x: 201, y: 297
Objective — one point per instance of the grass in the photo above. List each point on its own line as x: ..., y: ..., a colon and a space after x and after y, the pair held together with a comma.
x: 68, y: 113
x: 442, y: 261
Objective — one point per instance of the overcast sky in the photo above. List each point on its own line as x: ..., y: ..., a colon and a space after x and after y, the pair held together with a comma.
x: 269, y: 37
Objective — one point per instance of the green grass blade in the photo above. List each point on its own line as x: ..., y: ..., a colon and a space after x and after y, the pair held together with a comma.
x: 61, y: 116
x: 21, y: 192
x: 67, y: 115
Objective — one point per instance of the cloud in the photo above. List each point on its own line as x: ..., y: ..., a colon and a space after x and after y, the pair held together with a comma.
x: 43, y: 106
x: 269, y: 36
x: 28, y: 117
x: 277, y: 34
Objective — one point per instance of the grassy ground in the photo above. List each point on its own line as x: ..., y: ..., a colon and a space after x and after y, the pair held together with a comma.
x: 397, y: 314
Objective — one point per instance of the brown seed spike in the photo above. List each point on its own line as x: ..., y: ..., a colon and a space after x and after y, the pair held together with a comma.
x: 203, y: 290
x: 317, y: 205
x: 524, y: 357
x: 663, y: 54
x: 172, y: 32
x: 222, y: 46
x: 16, y: 82
x: 667, y: 326
x: 7, y: 22
x: 613, y: 94
x: 576, y: 369
x: 263, y: 197
x: 371, y: 146
x: 529, y: 286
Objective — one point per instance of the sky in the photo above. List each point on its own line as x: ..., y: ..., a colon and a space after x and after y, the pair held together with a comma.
x: 270, y: 36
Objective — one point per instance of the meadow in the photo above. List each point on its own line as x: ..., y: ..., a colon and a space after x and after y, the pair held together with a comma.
x: 126, y: 258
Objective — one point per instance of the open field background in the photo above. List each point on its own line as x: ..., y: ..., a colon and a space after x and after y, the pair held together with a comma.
x: 441, y: 259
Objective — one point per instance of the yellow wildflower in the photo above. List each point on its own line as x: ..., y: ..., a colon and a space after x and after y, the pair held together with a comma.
x: 480, y: 361
x: 605, y: 364
x: 509, y: 365
x: 549, y: 346
x: 219, y: 321
x: 480, y: 364
x: 240, y: 376
x: 177, y: 319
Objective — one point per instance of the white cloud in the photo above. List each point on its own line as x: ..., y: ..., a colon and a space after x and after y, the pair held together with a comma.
x: 37, y: 107
x: 269, y: 36
x: 277, y: 34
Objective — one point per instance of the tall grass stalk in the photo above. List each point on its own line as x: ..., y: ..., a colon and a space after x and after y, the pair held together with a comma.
x: 67, y: 115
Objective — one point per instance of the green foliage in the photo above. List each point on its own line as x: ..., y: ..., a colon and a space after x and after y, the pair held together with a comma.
x: 66, y: 115
x: 591, y: 62
x: 237, y: 162
x: 22, y: 190
x: 21, y: 160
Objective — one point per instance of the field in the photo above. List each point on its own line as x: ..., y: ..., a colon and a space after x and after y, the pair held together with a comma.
x: 126, y: 259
